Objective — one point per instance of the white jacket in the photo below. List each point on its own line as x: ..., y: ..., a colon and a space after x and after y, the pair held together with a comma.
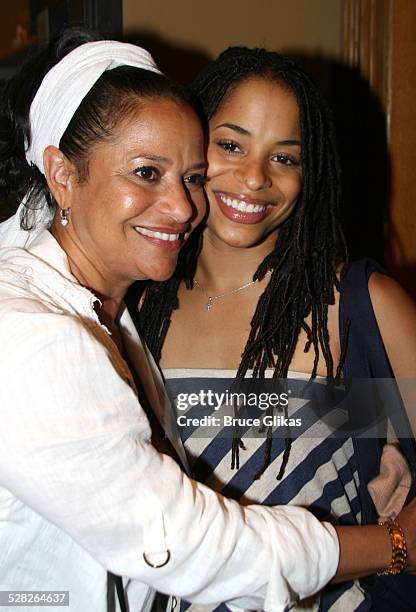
x: 82, y: 490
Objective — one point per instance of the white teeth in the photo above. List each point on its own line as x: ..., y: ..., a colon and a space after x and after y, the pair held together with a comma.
x: 242, y: 206
x: 159, y: 235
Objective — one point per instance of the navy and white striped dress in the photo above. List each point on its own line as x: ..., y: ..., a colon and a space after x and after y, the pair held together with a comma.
x: 320, y: 475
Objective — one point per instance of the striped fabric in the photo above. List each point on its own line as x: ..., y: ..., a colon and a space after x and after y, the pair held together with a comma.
x: 320, y: 475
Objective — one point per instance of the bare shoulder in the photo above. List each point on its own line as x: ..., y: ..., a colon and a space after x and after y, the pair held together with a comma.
x: 390, y: 301
x: 395, y: 312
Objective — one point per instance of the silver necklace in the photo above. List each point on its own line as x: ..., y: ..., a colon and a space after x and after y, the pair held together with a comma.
x: 211, y: 298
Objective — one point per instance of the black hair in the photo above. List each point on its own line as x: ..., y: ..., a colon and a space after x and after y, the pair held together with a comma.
x: 115, y: 94
x: 310, y: 246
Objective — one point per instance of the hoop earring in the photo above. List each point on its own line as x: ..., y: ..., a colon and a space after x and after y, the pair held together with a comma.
x: 64, y: 214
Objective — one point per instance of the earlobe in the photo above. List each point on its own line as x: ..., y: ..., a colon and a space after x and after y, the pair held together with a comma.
x: 58, y: 172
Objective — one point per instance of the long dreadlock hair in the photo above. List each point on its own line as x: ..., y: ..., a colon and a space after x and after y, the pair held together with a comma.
x: 310, y: 244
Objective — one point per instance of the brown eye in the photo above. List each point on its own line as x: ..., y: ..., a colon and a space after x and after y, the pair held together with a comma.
x: 229, y: 146
x: 147, y: 173
x: 286, y: 160
x: 195, y: 180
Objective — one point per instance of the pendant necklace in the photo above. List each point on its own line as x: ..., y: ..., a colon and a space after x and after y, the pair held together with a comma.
x: 211, y: 298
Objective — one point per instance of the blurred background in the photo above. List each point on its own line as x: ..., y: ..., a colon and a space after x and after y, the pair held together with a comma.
x: 362, y: 53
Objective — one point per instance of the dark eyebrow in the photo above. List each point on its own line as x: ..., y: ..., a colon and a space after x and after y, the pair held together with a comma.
x: 241, y: 130
x: 201, y: 165
x: 150, y: 157
x: 289, y: 142
x: 233, y: 126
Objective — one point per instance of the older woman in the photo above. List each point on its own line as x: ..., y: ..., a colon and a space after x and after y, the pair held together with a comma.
x: 107, y: 158
x: 271, y: 294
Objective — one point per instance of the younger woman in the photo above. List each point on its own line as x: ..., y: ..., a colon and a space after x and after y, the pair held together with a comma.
x: 271, y: 294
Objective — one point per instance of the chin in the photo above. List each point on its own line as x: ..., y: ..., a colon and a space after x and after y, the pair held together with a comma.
x: 240, y: 240
x: 162, y: 273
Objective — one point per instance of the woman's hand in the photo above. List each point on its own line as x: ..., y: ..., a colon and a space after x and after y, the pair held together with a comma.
x: 407, y: 521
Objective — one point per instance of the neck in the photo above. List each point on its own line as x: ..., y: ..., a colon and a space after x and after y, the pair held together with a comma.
x: 85, y: 269
x: 222, y: 267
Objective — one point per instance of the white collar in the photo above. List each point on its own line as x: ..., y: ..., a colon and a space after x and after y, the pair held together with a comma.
x: 46, y: 248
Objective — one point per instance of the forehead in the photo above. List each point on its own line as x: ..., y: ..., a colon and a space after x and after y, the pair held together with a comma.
x: 160, y: 127
x: 259, y: 97
x: 162, y: 120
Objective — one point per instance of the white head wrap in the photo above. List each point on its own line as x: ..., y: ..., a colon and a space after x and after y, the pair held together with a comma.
x: 66, y: 85
x: 58, y: 97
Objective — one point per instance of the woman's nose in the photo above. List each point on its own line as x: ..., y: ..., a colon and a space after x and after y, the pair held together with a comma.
x: 178, y: 204
x: 253, y: 174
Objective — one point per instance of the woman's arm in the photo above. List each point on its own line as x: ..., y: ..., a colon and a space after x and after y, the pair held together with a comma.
x: 368, y: 545
x: 367, y: 549
x: 75, y: 447
x: 395, y: 313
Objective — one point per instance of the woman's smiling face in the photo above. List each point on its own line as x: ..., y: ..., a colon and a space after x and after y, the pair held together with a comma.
x: 254, y: 156
x: 143, y: 196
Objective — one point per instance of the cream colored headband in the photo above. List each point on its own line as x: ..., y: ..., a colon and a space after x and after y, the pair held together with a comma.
x: 66, y: 85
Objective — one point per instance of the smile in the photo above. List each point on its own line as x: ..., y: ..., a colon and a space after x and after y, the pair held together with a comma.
x: 241, y: 205
x: 242, y: 210
x: 157, y: 235
x: 161, y: 237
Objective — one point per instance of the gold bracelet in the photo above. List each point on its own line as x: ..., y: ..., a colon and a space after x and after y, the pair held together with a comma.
x: 398, y: 548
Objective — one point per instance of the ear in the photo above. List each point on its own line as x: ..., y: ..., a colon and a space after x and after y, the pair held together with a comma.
x: 60, y: 175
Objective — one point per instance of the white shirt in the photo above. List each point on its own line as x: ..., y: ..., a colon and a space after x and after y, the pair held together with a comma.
x: 82, y: 490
